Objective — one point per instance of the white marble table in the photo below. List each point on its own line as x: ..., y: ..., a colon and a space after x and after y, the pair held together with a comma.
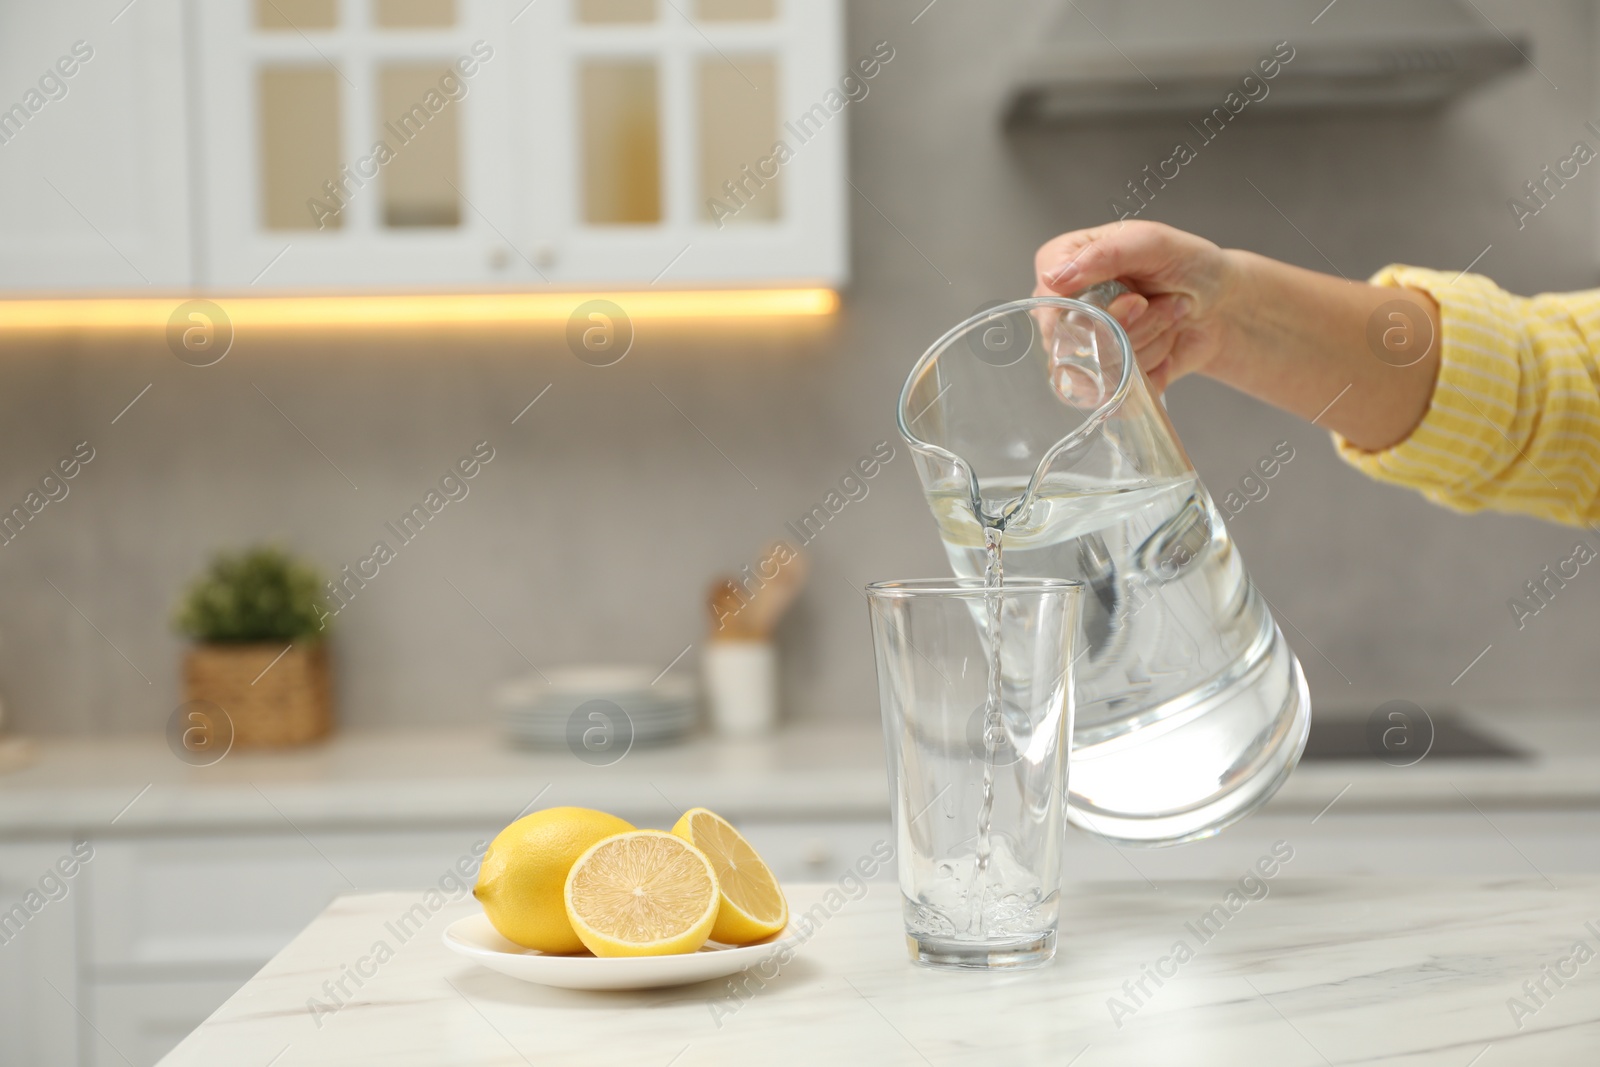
x: 1317, y: 972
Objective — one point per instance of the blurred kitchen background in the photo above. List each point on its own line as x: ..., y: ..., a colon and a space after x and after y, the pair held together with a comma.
x: 612, y: 503
x: 608, y: 508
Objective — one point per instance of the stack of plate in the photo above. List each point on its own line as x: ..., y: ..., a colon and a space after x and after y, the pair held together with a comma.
x: 599, y: 710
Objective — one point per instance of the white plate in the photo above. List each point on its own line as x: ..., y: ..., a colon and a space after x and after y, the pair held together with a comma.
x: 560, y: 728
x: 558, y: 716
x: 640, y: 737
x: 476, y: 938
x: 619, y: 683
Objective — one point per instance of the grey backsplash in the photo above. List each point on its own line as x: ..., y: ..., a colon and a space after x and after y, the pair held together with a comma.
x: 593, y: 533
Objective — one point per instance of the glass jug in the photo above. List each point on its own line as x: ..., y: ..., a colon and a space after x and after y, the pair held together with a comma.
x: 1034, y: 418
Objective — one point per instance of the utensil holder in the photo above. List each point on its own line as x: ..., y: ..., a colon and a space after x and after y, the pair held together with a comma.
x: 742, y: 687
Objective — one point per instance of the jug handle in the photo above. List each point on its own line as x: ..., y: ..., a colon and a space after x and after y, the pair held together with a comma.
x: 1100, y: 296
x: 1103, y: 294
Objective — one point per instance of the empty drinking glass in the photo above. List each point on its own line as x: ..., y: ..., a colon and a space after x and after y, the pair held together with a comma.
x: 976, y: 687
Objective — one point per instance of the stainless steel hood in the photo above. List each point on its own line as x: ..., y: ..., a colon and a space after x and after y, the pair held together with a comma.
x: 1104, y: 59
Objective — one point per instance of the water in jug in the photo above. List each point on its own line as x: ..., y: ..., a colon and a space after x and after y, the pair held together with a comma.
x: 1043, y: 451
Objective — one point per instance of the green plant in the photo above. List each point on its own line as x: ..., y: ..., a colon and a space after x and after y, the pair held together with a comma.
x: 259, y: 594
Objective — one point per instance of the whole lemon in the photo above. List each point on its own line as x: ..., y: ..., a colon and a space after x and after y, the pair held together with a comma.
x: 523, y: 874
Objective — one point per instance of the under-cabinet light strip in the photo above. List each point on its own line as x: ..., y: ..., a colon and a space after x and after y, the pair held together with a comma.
x: 412, y: 309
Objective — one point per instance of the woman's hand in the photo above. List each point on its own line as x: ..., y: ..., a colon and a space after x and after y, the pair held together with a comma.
x: 1174, y: 315
x: 1292, y: 337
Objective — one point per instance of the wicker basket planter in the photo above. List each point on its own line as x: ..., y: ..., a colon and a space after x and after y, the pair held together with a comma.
x: 290, y: 704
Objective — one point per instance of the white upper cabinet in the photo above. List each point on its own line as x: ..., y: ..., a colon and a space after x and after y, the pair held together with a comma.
x: 94, y: 164
x: 361, y: 144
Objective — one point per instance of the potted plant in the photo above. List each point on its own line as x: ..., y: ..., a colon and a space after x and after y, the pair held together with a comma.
x: 259, y: 652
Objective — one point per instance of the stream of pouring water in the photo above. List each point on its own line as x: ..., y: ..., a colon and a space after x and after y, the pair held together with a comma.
x: 993, y: 724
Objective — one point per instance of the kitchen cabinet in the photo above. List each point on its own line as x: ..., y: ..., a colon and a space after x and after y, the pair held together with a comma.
x: 138, y: 1022
x: 1396, y: 843
x: 819, y: 851
x: 94, y: 146
x: 175, y: 924
x: 306, y: 145
x: 39, y: 991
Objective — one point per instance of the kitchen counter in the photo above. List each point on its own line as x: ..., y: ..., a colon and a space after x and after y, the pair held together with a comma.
x: 1369, y: 971
x: 420, y: 778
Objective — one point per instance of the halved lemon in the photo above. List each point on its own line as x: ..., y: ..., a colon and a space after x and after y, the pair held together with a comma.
x: 642, y: 893
x: 753, y: 906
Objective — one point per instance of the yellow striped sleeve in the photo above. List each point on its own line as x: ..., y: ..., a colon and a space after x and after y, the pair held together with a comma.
x: 1514, y: 422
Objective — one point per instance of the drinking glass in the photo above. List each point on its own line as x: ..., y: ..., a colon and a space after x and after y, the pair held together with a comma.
x: 979, y: 787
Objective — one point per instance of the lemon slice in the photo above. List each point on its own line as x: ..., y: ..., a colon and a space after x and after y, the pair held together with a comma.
x: 753, y: 906
x: 642, y: 893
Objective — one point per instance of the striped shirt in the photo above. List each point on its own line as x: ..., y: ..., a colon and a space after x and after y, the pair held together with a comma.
x: 1514, y: 422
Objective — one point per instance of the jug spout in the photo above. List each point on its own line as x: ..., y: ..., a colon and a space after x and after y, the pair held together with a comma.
x: 1044, y: 389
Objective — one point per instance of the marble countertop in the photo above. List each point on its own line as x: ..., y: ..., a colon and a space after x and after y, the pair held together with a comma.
x: 417, y: 778
x: 1319, y: 971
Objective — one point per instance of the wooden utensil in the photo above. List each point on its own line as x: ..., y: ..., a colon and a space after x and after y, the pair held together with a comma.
x: 749, y: 607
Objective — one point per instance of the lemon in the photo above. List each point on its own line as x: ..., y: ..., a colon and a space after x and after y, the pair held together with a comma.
x: 752, y: 905
x: 522, y: 875
x: 644, y: 893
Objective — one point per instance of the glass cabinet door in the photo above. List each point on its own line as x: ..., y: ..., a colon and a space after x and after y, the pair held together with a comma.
x: 688, y: 154
x: 355, y: 143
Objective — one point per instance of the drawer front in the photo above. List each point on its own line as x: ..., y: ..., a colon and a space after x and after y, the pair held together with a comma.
x: 140, y: 1022
x: 230, y: 901
x: 1416, y: 844
x: 1359, y: 843
x: 38, y: 950
x: 823, y: 851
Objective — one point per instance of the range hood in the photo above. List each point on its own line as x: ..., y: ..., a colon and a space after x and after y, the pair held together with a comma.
x: 1104, y: 59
